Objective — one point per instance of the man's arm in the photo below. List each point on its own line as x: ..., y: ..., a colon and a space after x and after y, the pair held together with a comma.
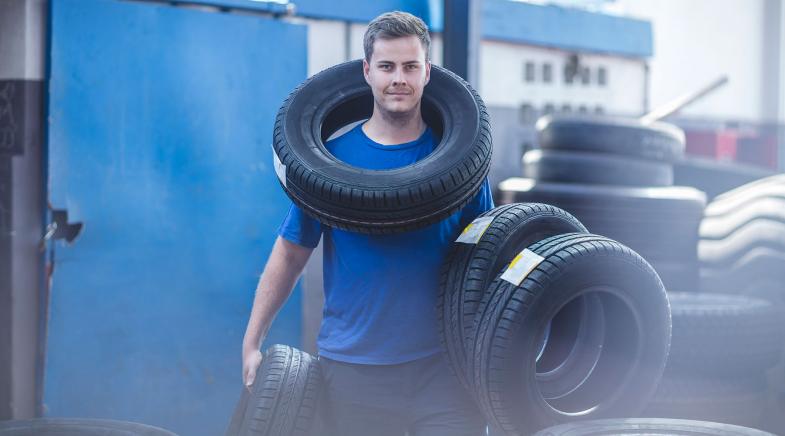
x: 284, y: 265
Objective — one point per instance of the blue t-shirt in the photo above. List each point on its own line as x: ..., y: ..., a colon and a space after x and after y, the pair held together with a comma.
x: 380, y: 290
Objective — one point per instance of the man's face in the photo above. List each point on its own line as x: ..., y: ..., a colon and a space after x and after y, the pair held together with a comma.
x: 397, y: 74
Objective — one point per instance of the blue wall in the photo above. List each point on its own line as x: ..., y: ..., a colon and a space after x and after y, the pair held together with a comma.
x: 160, y: 124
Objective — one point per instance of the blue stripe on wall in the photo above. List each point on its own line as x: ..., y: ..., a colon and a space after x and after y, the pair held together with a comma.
x: 504, y: 20
x: 566, y: 28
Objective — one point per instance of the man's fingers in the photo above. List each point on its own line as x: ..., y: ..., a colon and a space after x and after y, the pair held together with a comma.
x: 251, y: 366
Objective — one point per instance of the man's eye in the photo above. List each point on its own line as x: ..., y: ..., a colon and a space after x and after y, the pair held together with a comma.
x: 411, y: 67
x: 384, y: 67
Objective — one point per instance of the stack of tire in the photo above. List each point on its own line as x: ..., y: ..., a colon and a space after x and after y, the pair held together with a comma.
x: 616, y: 176
x: 545, y: 323
x: 742, y: 255
x: 742, y: 241
x: 720, y: 345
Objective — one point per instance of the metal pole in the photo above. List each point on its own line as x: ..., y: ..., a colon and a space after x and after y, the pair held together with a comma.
x: 461, y: 38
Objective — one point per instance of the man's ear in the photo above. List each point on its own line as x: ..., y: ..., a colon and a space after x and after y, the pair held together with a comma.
x: 427, y: 72
x: 366, y: 71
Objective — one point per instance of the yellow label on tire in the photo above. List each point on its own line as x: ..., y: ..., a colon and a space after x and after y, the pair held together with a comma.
x: 520, y: 267
x: 474, y: 231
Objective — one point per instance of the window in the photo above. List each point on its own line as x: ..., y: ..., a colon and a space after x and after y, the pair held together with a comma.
x: 547, y: 73
x: 528, y: 114
x: 602, y: 76
x: 599, y: 110
x: 585, y: 75
x: 548, y: 109
x: 528, y: 72
x: 569, y: 73
x: 566, y: 108
x: 582, y: 109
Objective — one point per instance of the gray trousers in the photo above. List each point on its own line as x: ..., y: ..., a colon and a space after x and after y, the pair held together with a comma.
x: 418, y: 398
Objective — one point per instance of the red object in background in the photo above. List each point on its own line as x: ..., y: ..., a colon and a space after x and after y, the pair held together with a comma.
x: 718, y: 145
x: 730, y: 145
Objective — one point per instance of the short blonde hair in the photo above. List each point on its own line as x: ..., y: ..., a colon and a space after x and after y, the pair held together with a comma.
x: 393, y: 25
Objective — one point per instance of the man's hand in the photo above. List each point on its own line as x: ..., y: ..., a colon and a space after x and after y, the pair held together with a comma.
x: 251, y: 360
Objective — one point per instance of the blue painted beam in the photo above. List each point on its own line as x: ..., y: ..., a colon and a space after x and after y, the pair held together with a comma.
x: 503, y: 20
x: 566, y: 28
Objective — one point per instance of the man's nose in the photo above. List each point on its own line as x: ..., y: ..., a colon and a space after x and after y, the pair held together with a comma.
x: 398, y: 77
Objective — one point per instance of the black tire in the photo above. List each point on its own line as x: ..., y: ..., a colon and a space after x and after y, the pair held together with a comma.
x: 371, y: 201
x: 765, y: 209
x: 724, y: 334
x: 78, y: 427
x: 759, y: 273
x: 731, y: 201
x: 678, y: 275
x: 659, y: 223
x: 637, y: 203
x: 714, y: 177
x: 649, y: 426
x: 283, y: 398
x: 730, y: 400
x: 469, y: 268
x: 603, y: 134
x: 511, y: 366
x: 595, y: 168
x: 723, y: 253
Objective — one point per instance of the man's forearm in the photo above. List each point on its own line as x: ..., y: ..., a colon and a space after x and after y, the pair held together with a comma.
x: 284, y: 266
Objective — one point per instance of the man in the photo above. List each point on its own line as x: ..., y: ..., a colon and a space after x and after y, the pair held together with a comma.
x: 379, y: 349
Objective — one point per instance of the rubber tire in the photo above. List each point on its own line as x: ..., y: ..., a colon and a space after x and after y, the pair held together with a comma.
x: 731, y: 201
x: 594, y: 169
x: 380, y: 201
x: 729, y: 400
x: 714, y: 177
x: 759, y: 273
x: 728, y: 335
x: 283, y: 398
x: 604, y: 134
x: 765, y: 209
x: 78, y: 427
x: 649, y: 426
x: 725, y: 252
x: 511, y: 318
x: 469, y: 268
x: 678, y: 276
x: 636, y: 203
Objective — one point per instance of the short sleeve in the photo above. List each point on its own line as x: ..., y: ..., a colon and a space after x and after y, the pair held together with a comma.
x: 482, y: 202
x: 300, y: 228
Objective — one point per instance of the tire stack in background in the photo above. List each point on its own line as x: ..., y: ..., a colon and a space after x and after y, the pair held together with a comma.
x: 742, y: 241
x: 742, y: 254
x: 613, y: 176
x: 721, y: 348
x: 616, y: 177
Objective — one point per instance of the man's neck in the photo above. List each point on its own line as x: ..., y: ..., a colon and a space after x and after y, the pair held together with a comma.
x: 393, y: 129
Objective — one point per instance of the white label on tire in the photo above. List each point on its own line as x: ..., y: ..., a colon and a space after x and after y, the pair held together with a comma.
x: 473, y: 232
x: 280, y: 168
x: 521, y: 266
